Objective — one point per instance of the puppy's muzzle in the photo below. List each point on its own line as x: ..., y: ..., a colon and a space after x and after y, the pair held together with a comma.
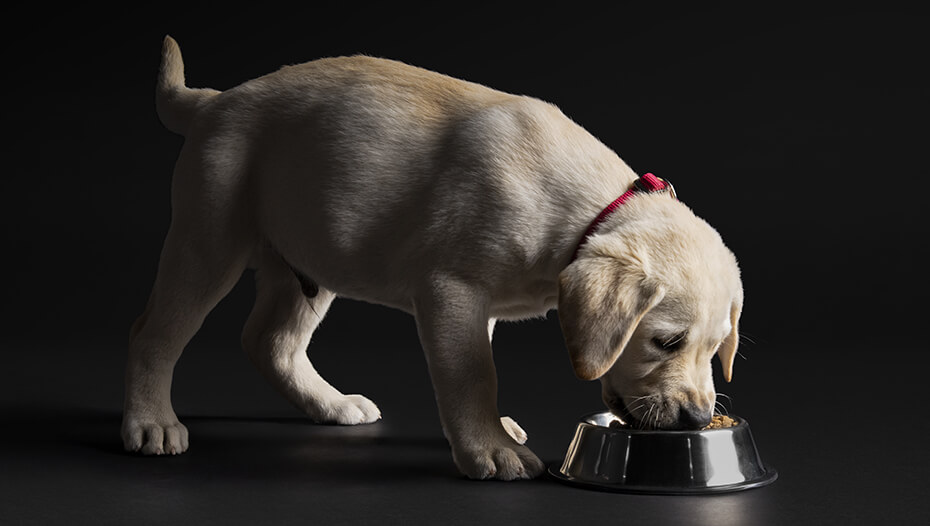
x: 663, y: 415
x: 691, y: 417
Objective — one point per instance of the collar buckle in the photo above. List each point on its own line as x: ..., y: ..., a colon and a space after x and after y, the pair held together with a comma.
x: 650, y: 183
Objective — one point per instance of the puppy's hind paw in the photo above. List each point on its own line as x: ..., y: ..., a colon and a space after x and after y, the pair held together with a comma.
x: 349, y: 410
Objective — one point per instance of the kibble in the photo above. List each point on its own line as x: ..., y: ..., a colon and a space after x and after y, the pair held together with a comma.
x: 720, y: 422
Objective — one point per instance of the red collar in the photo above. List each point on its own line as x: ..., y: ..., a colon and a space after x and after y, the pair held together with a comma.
x: 647, y: 183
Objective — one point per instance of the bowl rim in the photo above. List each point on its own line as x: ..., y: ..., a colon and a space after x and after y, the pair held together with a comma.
x: 585, y: 420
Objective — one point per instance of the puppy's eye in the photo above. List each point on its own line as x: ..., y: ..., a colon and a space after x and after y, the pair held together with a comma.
x: 670, y: 344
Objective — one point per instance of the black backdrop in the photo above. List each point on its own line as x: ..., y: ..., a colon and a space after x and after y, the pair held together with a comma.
x: 800, y: 135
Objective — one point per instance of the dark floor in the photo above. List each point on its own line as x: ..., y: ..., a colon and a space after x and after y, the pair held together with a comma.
x: 254, y: 460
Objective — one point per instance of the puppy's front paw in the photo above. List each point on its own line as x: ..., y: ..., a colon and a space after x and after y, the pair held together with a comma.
x: 167, y: 437
x: 504, y: 461
x: 347, y: 410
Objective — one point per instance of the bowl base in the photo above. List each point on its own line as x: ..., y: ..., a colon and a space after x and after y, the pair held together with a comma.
x: 767, y: 478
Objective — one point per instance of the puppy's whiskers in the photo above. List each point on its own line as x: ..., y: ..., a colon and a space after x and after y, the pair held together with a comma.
x: 719, y: 407
x: 644, y: 421
x: 744, y: 338
x: 641, y: 403
x: 644, y: 401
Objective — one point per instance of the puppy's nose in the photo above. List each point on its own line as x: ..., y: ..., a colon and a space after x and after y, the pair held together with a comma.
x: 693, y: 418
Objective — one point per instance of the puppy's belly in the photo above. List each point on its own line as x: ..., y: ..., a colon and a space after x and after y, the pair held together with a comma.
x: 522, y: 312
x: 363, y: 279
x: 390, y: 259
x: 357, y: 278
x: 389, y: 274
x: 531, y: 300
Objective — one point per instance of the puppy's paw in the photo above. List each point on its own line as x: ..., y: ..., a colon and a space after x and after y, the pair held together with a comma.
x: 348, y: 410
x: 513, y: 429
x: 167, y: 437
x: 501, y: 461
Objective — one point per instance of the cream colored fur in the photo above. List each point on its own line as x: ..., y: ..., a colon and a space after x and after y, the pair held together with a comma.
x: 370, y: 179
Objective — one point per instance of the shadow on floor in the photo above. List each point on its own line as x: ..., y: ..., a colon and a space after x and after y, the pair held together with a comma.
x: 234, y: 447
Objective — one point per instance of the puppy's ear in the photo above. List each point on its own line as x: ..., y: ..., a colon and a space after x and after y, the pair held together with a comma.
x: 727, y: 350
x: 601, y: 301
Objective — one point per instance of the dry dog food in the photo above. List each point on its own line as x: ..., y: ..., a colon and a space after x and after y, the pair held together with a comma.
x: 720, y: 422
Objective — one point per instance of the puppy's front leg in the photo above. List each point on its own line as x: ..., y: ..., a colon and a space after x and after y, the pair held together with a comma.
x: 452, y: 319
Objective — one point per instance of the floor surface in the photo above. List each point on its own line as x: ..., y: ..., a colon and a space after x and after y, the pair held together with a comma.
x: 254, y: 460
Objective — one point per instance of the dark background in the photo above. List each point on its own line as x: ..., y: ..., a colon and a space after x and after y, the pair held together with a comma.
x: 800, y: 135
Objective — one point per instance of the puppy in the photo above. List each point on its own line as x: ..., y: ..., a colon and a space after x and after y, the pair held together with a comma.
x: 461, y: 205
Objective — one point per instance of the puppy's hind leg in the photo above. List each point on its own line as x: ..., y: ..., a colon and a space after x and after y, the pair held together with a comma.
x: 287, y: 310
x: 195, y: 272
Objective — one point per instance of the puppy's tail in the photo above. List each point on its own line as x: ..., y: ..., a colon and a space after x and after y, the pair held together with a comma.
x: 175, y: 103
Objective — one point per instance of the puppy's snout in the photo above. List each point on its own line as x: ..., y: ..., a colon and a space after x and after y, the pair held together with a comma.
x: 691, y: 417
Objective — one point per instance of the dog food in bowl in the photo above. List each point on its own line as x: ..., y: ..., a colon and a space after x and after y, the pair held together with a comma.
x: 720, y: 422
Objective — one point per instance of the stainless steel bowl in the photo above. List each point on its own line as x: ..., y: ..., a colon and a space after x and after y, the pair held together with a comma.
x: 662, y: 462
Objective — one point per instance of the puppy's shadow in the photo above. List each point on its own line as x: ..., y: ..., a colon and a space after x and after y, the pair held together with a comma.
x: 272, y: 448
x: 294, y: 446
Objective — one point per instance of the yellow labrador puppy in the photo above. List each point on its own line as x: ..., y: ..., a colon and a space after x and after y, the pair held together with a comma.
x: 371, y: 179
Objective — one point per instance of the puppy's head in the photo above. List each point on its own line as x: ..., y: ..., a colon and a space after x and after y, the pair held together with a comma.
x: 645, y: 306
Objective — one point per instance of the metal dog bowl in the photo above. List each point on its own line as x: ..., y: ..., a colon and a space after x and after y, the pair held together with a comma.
x: 662, y: 462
